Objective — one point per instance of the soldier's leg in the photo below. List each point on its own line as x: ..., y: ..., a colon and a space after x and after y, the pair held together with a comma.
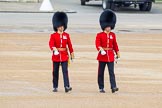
x: 55, y: 74
x: 111, y: 74
x: 101, y: 69
x: 66, y: 76
x: 65, y: 73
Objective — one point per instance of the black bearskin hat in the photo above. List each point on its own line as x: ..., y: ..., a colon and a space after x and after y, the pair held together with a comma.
x: 59, y: 19
x: 107, y: 19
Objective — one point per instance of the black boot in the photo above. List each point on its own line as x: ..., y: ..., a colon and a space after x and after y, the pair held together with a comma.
x: 67, y: 89
x: 55, y: 90
x: 114, y: 90
x: 102, y: 91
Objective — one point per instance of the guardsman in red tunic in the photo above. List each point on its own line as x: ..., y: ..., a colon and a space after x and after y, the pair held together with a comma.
x: 106, y: 45
x: 60, y: 44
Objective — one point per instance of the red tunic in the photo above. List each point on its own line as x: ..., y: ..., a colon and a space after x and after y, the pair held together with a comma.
x: 106, y: 41
x: 60, y: 42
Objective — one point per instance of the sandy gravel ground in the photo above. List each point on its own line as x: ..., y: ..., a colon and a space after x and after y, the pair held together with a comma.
x: 25, y: 73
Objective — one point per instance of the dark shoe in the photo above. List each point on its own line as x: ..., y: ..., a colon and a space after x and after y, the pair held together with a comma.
x: 67, y: 89
x: 55, y: 90
x: 114, y: 90
x: 102, y: 91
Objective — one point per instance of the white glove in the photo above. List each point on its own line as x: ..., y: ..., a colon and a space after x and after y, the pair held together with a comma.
x: 103, y: 52
x: 116, y: 59
x: 56, y: 52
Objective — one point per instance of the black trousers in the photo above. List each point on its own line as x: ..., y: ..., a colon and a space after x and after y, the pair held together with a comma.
x: 101, y: 69
x: 64, y: 66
